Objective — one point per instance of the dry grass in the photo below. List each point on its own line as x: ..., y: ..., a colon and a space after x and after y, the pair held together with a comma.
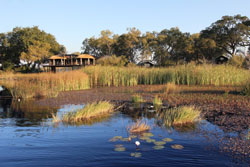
x: 171, y: 88
x: 137, y: 98
x: 44, y: 84
x: 90, y: 111
x: 138, y: 127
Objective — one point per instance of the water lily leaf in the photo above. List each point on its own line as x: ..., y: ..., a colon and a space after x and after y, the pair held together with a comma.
x: 125, y: 139
x: 116, y: 138
x: 177, y: 146
x: 136, y: 155
x: 150, y: 140
x: 132, y: 136
x: 118, y: 145
x: 167, y: 140
x: 144, y: 137
x: 120, y: 149
x: 160, y: 143
x: 148, y: 134
x: 158, y: 147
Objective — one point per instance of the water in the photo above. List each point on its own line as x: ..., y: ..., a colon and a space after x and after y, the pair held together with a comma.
x: 28, y: 138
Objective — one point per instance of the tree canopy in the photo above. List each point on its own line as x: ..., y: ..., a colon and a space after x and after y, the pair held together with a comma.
x: 30, y: 44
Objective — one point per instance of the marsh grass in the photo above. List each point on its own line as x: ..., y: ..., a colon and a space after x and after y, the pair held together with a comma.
x: 181, y: 116
x: 137, y: 98
x: 139, y: 127
x: 218, y: 75
x: 44, y: 84
x: 157, y: 101
x: 90, y: 111
x: 171, y: 88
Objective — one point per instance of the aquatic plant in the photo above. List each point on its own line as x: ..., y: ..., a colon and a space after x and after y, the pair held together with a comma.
x: 218, y: 75
x: 181, y: 115
x: 139, y: 127
x: 177, y: 146
x: 55, y: 118
x: 136, y: 154
x: 137, y: 99
x: 44, y: 84
x: 158, y: 147
x: 90, y: 111
x: 157, y: 102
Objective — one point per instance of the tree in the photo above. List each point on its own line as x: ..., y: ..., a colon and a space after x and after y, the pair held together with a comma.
x: 28, y: 44
x: 230, y: 33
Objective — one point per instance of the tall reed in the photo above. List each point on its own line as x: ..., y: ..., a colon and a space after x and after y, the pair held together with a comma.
x: 44, y: 84
x: 218, y: 75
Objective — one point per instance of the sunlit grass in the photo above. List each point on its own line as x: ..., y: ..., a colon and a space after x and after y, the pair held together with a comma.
x: 137, y: 99
x: 139, y: 127
x: 44, y: 84
x: 181, y: 115
x: 90, y: 111
x: 157, y: 101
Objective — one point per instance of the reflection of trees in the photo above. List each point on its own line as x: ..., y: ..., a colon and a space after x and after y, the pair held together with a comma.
x: 27, y: 113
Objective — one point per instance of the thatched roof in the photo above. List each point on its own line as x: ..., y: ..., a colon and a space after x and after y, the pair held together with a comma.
x: 85, y: 56
x: 56, y: 57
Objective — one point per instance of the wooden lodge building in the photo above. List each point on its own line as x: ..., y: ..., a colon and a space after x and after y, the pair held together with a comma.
x: 69, y: 61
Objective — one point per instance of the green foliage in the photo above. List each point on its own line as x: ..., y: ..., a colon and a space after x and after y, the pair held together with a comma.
x: 137, y: 99
x: 112, y: 61
x: 157, y: 101
x: 180, y: 115
x: 219, y: 75
x: 31, y: 45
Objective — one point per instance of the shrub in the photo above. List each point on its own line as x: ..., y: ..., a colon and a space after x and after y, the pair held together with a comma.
x: 112, y: 61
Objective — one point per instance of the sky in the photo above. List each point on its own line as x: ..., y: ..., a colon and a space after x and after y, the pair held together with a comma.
x: 71, y: 21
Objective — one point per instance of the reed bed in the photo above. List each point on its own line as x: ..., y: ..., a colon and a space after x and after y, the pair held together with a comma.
x: 44, y: 84
x: 181, y: 115
x: 139, y: 127
x: 218, y: 75
x: 137, y: 99
x: 157, y: 101
x: 90, y: 111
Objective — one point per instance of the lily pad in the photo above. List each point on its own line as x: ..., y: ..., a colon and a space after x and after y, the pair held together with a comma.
x: 148, y: 134
x: 150, y: 140
x: 144, y: 137
x: 136, y: 155
x: 120, y: 149
x: 132, y: 136
x: 118, y: 145
x: 116, y: 138
x: 158, y: 147
x: 167, y: 140
x: 125, y: 139
x: 177, y: 146
x: 160, y: 143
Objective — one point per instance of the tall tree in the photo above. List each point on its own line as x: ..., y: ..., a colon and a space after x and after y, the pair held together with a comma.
x: 29, y: 44
x: 230, y: 33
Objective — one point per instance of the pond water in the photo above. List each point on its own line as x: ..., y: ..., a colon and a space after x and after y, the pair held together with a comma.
x: 28, y: 138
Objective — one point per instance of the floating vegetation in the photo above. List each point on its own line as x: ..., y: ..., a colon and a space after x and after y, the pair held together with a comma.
x: 157, y: 102
x: 120, y: 149
x: 177, y: 146
x: 136, y: 154
x: 132, y: 136
x: 158, y: 147
x: 148, y: 134
x: 124, y: 139
x: 150, y: 140
x: 116, y: 138
x: 90, y: 111
x: 167, y: 140
x: 139, y: 127
x: 160, y: 143
x: 119, y: 145
x: 181, y: 115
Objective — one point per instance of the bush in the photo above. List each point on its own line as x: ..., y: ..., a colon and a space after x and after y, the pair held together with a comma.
x: 112, y: 61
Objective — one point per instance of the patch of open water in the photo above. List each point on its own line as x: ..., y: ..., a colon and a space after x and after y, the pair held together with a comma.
x: 28, y: 138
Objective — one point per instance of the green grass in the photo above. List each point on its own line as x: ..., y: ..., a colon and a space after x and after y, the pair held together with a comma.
x: 181, y: 115
x: 157, y: 101
x: 218, y: 75
x: 90, y: 111
x: 137, y: 99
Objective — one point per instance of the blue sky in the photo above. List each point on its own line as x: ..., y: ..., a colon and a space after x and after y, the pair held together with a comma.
x: 71, y: 21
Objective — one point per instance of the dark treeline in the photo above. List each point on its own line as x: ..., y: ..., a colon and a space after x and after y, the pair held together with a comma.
x: 228, y: 36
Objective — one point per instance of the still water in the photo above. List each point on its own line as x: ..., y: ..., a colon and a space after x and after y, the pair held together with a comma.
x: 28, y: 138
